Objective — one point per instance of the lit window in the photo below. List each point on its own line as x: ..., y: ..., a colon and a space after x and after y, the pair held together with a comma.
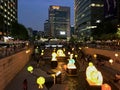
x: 98, y: 5
x: 82, y: 15
x: 93, y: 4
x: 62, y: 32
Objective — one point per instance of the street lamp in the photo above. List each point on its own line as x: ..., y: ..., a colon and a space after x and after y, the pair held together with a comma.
x: 116, y: 55
x: 111, y: 61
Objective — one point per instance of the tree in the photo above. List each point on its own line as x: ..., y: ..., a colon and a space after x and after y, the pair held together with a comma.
x: 105, y: 29
x: 18, y: 31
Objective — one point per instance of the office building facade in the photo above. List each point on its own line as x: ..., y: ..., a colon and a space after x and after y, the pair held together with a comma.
x: 88, y: 13
x: 59, y: 21
x: 47, y: 28
x: 8, y: 14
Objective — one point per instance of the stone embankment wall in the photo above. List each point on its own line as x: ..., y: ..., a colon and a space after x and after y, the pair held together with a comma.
x: 11, y: 65
x: 115, y: 65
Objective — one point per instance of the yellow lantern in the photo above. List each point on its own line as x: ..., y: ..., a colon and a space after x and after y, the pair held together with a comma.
x: 76, y: 56
x: 54, y: 56
x: 94, y: 77
x: 60, y: 53
x: 42, y: 53
x: 40, y: 81
x: 30, y: 69
x: 106, y: 87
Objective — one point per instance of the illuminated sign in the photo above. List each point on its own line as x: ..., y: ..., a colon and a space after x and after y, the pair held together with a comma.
x: 55, y: 7
x: 62, y: 32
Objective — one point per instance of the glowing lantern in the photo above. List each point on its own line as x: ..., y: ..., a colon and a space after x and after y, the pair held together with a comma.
x: 94, y: 77
x: 80, y: 48
x: 42, y: 53
x: 60, y: 53
x: 110, y: 61
x: 72, y: 49
x: 68, y: 53
x: 116, y: 55
x: 76, y: 56
x: 71, y: 64
x: 106, y: 87
x: 40, y: 81
x: 30, y: 69
x: 42, y: 50
x: 94, y: 55
x: 71, y: 56
x: 54, y: 56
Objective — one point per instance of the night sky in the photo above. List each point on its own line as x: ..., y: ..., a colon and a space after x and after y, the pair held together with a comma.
x: 33, y: 13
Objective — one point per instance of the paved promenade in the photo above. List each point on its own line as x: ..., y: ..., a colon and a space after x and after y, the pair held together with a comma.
x: 17, y: 82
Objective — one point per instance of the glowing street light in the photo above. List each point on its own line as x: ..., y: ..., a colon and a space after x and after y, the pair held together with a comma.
x: 111, y: 61
x: 116, y: 55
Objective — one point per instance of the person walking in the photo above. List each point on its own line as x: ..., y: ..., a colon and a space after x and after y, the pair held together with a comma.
x: 25, y: 84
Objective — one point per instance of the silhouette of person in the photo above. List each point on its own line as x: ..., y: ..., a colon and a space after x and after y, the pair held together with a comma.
x: 25, y: 84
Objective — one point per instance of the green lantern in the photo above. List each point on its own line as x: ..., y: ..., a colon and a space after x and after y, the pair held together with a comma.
x: 30, y: 69
x: 40, y: 81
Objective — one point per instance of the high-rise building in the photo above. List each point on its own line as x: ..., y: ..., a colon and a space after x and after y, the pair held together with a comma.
x: 46, y: 28
x: 8, y: 14
x: 59, y: 19
x: 88, y: 13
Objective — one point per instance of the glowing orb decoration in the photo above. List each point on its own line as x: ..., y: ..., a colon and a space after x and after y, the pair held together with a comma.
x: 40, y: 81
x: 73, y: 49
x: 42, y: 53
x: 54, y: 56
x: 76, y: 56
x: 30, y: 69
x: 106, y: 87
x: 94, y: 77
x: 60, y: 53
x: 95, y: 56
x: 110, y: 61
x: 80, y: 48
x: 68, y: 53
x: 42, y: 50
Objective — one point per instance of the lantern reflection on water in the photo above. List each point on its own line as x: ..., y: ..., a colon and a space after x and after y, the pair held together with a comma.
x: 94, y: 77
